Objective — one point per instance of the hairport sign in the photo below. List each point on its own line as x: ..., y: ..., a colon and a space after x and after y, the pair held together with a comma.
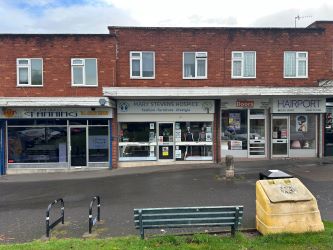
x: 56, y: 113
x: 299, y: 105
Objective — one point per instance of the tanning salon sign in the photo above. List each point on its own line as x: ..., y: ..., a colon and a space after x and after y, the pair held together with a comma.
x: 166, y: 106
x: 299, y: 105
x: 55, y: 113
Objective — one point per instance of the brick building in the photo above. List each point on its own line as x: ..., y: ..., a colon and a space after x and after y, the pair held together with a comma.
x: 199, y: 94
x: 53, y: 113
x: 148, y: 96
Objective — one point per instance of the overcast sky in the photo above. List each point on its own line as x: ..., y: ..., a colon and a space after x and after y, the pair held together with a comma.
x: 88, y: 16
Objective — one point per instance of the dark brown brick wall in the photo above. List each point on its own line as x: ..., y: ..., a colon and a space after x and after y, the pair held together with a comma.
x: 56, y: 51
x: 269, y: 44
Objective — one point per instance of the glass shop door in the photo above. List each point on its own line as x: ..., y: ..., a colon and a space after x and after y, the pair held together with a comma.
x: 165, y: 141
x: 78, y: 146
x: 280, y: 136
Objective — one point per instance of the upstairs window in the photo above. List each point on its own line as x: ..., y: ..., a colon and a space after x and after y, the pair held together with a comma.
x: 243, y: 64
x: 295, y: 64
x: 142, y: 64
x: 29, y: 72
x: 84, y: 72
x: 195, y: 65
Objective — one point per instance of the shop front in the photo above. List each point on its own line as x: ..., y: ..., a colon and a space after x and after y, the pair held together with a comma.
x: 295, y: 123
x: 56, y: 137
x: 162, y: 131
x: 328, y: 136
x: 244, y: 127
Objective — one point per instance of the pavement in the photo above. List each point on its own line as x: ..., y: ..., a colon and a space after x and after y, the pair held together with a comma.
x: 24, y: 198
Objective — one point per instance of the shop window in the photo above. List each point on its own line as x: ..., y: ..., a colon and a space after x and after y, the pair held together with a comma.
x: 234, y: 133
x: 98, y: 122
x: 295, y: 64
x: 302, y: 131
x: 137, y: 141
x: 142, y: 64
x: 29, y: 72
x: 98, y: 144
x: 78, y: 122
x: 195, y: 65
x: 193, y: 141
x: 243, y: 64
x: 84, y: 72
x: 37, y: 144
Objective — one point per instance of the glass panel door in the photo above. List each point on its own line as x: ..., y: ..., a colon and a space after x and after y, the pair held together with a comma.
x: 257, y: 140
x: 165, y: 141
x: 280, y: 135
x: 78, y: 140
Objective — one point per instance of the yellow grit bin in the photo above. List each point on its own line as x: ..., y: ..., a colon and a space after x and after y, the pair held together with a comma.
x: 286, y: 205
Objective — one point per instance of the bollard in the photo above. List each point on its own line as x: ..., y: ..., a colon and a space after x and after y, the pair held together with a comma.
x: 230, y: 170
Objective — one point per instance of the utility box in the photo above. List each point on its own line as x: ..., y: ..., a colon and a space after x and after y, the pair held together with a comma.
x: 286, y: 205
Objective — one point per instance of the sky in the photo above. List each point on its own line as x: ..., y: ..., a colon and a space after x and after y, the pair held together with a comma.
x: 93, y: 16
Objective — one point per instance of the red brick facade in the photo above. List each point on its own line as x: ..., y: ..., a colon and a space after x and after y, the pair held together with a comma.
x: 56, y: 52
x: 269, y: 44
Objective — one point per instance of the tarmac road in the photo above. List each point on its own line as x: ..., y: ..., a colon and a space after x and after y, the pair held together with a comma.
x: 24, y: 199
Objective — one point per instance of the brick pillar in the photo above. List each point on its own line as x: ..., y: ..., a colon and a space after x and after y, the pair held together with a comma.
x: 114, y: 139
x: 217, y: 132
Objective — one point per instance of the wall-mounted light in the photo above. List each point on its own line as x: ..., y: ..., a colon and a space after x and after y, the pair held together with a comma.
x: 102, y: 101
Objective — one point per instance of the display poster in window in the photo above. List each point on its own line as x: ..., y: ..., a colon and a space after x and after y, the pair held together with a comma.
x: 165, y: 151
x: 235, y: 145
x: 178, y: 154
x: 170, y: 138
x: 302, y: 123
x: 328, y: 124
x: 152, y: 154
x: 152, y: 125
x: 208, y: 136
x: 62, y: 152
x: 160, y: 139
x: 235, y: 120
x: 178, y: 135
x: 151, y: 136
x: 98, y: 142
x: 208, y: 129
x: 177, y: 125
x: 284, y: 133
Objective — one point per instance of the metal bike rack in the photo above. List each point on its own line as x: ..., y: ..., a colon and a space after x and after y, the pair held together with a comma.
x: 60, y: 219
x: 92, y: 221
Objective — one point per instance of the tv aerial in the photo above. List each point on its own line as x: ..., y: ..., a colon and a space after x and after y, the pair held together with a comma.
x: 298, y: 17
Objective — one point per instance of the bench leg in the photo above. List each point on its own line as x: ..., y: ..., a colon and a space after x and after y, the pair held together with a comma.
x: 142, y: 231
x: 233, y: 230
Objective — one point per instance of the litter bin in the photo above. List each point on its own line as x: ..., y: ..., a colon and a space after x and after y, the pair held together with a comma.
x: 273, y: 174
x: 286, y: 205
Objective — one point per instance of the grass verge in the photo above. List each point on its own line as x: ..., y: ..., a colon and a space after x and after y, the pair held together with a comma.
x: 313, y: 241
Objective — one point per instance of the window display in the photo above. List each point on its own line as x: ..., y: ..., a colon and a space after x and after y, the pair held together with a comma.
x: 37, y: 144
x: 98, y: 144
x: 193, y: 141
x: 137, y: 141
x: 302, y: 131
x: 234, y: 132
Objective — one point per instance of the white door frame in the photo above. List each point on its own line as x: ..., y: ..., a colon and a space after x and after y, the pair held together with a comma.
x: 70, y: 146
x: 287, y: 117
x: 165, y: 144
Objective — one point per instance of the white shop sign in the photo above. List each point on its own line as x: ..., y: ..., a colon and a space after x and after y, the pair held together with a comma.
x: 166, y: 106
x: 245, y: 103
x: 56, y: 113
x: 299, y: 105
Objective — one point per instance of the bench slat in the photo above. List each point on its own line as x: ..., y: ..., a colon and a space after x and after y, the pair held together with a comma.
x: 187, y: 215
x: 186, y: 209
x: 186, y: 225
x: 221, y: 221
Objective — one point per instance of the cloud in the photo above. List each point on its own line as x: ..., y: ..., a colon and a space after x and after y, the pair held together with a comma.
x: 90, y: 17
x: 286, y: 18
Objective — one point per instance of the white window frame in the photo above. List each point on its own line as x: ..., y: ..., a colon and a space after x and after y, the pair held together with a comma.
x: 198, y: 55
x: 141, y: 68
x: 306, y: 59
x: 83, y: 64
x: 28, y: 66
x: 241, y: 59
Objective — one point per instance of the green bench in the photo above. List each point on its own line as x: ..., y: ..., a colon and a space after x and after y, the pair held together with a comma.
x: 183, y: 217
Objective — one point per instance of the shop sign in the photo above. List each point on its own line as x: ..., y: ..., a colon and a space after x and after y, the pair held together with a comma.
x: 299, y: 105
x: 242, y: 103
x: 56, y: 113
x: 166, y: 106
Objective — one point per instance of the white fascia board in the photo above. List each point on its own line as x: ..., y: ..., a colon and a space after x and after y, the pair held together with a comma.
x: 214, y: 92
x: 55, y: 102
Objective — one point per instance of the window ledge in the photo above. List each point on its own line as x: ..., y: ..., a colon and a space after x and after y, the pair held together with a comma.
x: 295, y: 77
x: 142, y: 78
x: 84, y: 86
x: 195, y: 78
x: 29, y: 86
x: 242, y: 77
